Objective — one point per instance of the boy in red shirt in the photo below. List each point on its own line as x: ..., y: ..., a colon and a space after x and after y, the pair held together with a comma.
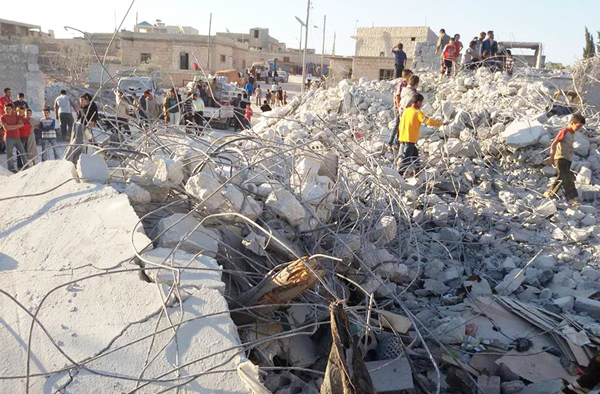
x: 11, y: 123
x: 561, y: 155
x: 25, y: 136
x: 449, y: 57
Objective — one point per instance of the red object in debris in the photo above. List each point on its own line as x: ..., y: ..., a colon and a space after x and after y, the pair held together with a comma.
x: 358, y: 134
x: 196, y: 66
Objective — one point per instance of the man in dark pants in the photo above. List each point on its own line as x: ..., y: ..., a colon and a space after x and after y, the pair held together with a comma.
x: 62, y: 107
x: 400, y: 59
x: 561, y: 155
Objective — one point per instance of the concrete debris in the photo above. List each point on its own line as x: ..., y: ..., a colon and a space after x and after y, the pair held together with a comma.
x: 92, y: 169
x: 187, y: 233
x: 303, y: 213
x: 521, y: 134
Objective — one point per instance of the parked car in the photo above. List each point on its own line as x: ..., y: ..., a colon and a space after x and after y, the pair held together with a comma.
x: 282, y: 77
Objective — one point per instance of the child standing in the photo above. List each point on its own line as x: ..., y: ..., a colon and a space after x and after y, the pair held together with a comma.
x: 406, y: 73
x: 449, y: 57
x: 509, y: 63
x: 408, y: 132
x: 561, y: 156
x: 28, y: 159
x: 248, y: 115
x: 11, y: 124
x: 48, y: 128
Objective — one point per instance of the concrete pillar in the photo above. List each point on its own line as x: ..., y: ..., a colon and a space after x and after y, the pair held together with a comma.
x: 539, y: 53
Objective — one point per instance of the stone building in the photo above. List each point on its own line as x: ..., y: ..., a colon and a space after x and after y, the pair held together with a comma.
x: 174, y: 54
x: 374, y: 59
x: 258, y: 39
x: 19, y: 71
x: 17, y: 30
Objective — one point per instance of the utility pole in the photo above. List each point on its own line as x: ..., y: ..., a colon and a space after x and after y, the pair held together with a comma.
x: 333, y: 47
x: 209, y: 44
x: 300, y: 43
x: 305, y: 45
x: 300, y: 48
x: 323, y: 50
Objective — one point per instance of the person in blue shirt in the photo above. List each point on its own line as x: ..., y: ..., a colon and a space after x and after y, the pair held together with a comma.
x: 249, y: 88
x: 490, y: 45
x: 401, y: 58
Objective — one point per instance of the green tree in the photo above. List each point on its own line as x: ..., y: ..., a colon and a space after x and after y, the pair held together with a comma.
x: 590, y: 49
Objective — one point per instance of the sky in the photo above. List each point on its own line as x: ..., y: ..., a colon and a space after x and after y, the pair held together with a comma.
x: 559, y: 25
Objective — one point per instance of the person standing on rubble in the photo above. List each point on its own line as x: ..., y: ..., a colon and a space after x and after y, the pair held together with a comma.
x: 124, y: 110
x: 442, y: 41
x: 171, y: 112
x: 471, y: 56
x: 449, y: 57
x: 406, y: 74
x: 198, y: 107
x: 401, y: 59
x: 479, y: 43
x: 408, y: 133
x: 490, y: 45
x: 87, y: 117
x: 561, y: 156
x: 258, y: 95
x: 509, y: 63
x: 62, y: 108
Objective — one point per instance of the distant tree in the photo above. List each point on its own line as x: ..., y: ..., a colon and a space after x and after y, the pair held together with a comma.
x: 555, y: 66
x: 590, y: 49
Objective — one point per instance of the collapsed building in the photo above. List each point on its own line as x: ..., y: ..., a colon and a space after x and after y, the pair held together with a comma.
x: 252, y: 262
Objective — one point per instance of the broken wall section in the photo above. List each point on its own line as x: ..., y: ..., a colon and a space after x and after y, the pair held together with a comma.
x: 20, y: 71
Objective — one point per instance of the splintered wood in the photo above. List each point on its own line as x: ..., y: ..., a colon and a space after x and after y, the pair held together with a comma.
x: 346, y: 372
x: 279, y: 287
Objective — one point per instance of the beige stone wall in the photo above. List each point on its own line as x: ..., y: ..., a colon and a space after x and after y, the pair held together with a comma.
x: 373, y: 41
x: 339, y: 69
x: 370, y: 66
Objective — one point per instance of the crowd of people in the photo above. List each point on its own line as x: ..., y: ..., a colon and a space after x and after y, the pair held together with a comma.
x: 483, y: 51
x: 20, y: 137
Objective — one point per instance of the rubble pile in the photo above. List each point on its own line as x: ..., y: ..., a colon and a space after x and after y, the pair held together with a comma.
x: 457, y: 279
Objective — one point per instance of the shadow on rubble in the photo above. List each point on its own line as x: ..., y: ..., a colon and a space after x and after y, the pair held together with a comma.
x: 46, y: 208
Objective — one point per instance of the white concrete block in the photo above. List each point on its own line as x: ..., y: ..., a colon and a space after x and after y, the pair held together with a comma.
x: 138, y: 194
x: 283, y: 203
x: 520, y: 134
x: 92, y: 168
x: 186, y: 232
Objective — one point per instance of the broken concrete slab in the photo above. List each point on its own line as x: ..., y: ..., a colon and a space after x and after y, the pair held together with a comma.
x: 488, y: 384
x: 521, y: 134
x: 588, y: 305
x: 283, y: 203
x: 92, y: 168
x: 186, y: 232
x: 547, y: 387
x: 205, y: 340
x: 74, y: 244
x: 188, y: 270
x: 391, y: 376
x: 534, y: 366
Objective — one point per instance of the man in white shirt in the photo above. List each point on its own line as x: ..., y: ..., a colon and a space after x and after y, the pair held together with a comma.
x: 62, y: 107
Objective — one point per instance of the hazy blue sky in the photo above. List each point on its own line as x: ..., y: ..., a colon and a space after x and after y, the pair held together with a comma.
x: 559, y: 25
